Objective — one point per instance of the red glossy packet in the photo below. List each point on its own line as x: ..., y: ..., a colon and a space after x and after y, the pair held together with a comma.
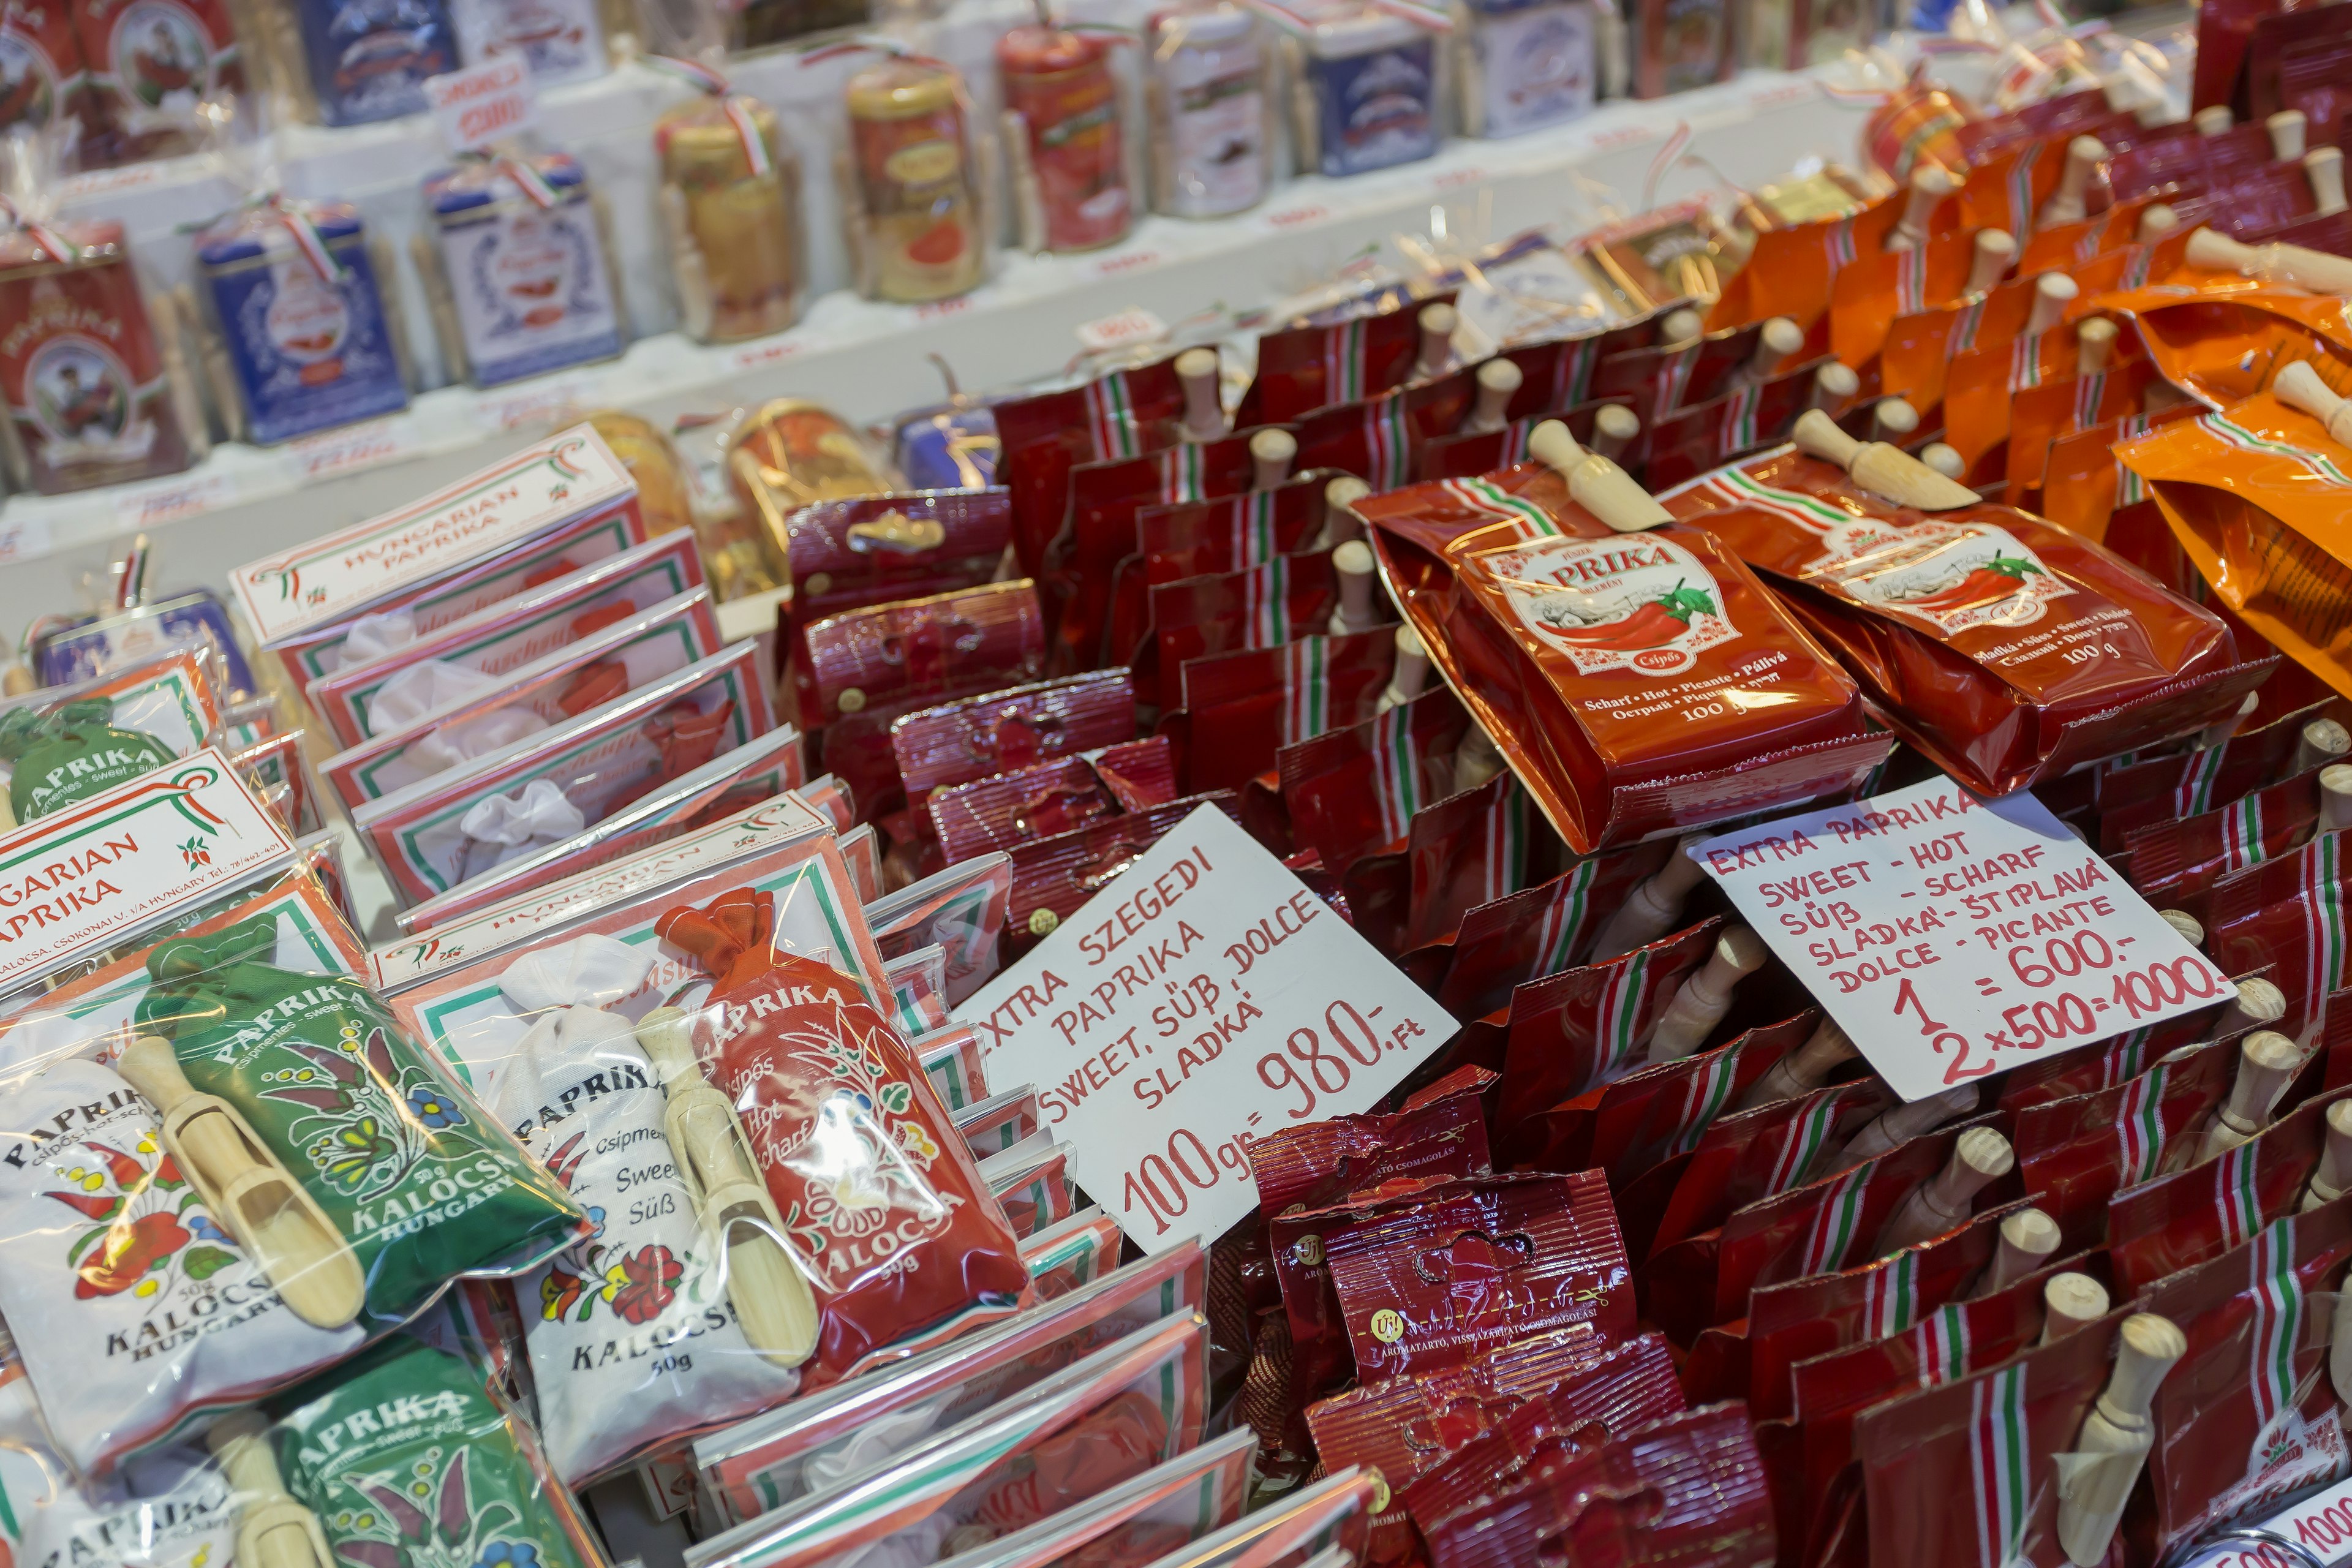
x: 1245, y: 706
x: 871, y: 550
x: 1190, y: 538
x: 918, y: 990
x: 1702, y: 435
x: 1137, y: 1524
x: 961, y: 909
x: 2188, y: 1216
x: 2250, y: 1413
x: 2076, y: 1153
x: 1439, y: 1132
x: 1053, y: 878
x: 1288, y: 597
x: 1661, y: 379
x: 1318, y: 1359
x: 1469, y: 453
x: 1581, y: 1027
x: 829, y: 798
x: 1871, y: 292
x: 2043, y: 416
x: 1472, y: 1264
x: 955, y: 743
x: 1466, y: 850
x: 1541, y: 929
x: 1984, y: 387
x: 1031, y: 1181
x: 2127, y: 796
x: 1122, y: 414
x: 2104, y: 1066
x: 1752, y: 1154
x: 2289, y: 913
x: 2063, y: 247
x: 1792, y: 271
x: 2190, y: 854
x: 1008, y: 809
x: 1896, y: 591
x: 1301, y: 369
x: 1379, y: 440
x: 2088, y: 489
x: 1078, y: 1252
x: 915, y: 647
x: 1352, y: 791
x: 1657, y: 1113
x: 1687, y: 1491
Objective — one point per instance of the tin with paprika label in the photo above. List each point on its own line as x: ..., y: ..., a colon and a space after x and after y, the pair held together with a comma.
x: 80, y: 365
x: 528, y: 273
x: 304, y: 325
x: 42, y: 76
x: 1526, y: 63
x: 1371, y: 78
x: 915, y: 208
x: 369, y: 59
x: 1064, y: 139
x: 150, y: 62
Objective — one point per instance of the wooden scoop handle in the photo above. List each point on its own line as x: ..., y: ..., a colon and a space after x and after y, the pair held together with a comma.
x: 273, y: 1531
x: 2313, y: 271
x: 1888, y: 471
x: 2299, y: 387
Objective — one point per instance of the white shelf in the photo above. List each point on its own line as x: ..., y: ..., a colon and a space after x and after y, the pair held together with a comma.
x: 866, y: 360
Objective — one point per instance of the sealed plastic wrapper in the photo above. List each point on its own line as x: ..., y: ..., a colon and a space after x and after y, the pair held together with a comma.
x: 912, y: 183
x: 914, y: 982
x: 1211, y: 99
x: 1031, y: 1181
x: 949, y: 1059
x: 97, y: 393
x: 1159, y: 1511
x: 789, y: 453
x: 1300, y: 1529
x: 197, y: 621
x: 472, y: 1481
x: 1102, y: 1421
x: 731, y: 204
x: 993, y: 636
x: 60, y: 748
x: 857, y: 1427
x: 1000, y: 1121
x: 369, y: 61
x: 519, y: 268
x: 178, y: 1511
x: 1064, y: 139
x: 1078, y: 1252
x: 1001, y: 812
x: 295, y: 295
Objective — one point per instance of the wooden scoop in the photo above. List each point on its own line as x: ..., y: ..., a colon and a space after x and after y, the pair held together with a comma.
x: 1204, y: 415
x: 1476, y: 758
x: 2053, y: 292
x: 1595, y: 483
x: 1930, y: 184
x: 1895, y: 418
x: 2094, y: 345
x: 1704, y: 997
x: 1653, y: 906
x: 1989, y: 262
x: 2336, y: 797
x: 254, y: 1198
x: 2029, y: 1238
x: 2065, y: 205
x: 2116, y: 1437
x: 1437, y: 323
x: 1777, y: 338
x: 2071, y: 1301
x: 2156, y: 220
x: 1354, y: 564
x: 1945, y: 460
x: 2267, y: 1061
x: 2323, y: 741
x: 2313, y: 271
x: 2183, y: 921
x: 1271, y: 452
x: 2258, y: 1003
x: 1876, y: 466
x: 1900, y: 1123
x: 1680, y: 329
x: 1803, y: 1070
x: 1499, y: 380
x: 772, y: 1300
x: 2287, y: 128
x: 1613, y: 429
x: 273, y: 1531
x: 1833, y: 383
x: 2215, y: 733
x: 1340, y: 523
x: 1408, y: 674
x: 2334, y: 1176
x: 2299, y: 387
x: 2214, y: 119
x: 1941, y: 1202
x: 2323, y: 167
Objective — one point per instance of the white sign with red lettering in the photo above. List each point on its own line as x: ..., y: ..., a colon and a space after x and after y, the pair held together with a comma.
x: 1204, y: 999
x: 483, y: 104
x: 1951, y: 936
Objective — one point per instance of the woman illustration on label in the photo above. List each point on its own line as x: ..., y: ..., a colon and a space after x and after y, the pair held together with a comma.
x: 81, y: 397
x: 160, y: 52
x: 29, y: 82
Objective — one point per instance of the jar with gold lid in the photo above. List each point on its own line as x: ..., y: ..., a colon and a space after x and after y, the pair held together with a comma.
x: 732, y: 553
x: 788, y: 453
x: 731, y: 198
x: 912, y: 190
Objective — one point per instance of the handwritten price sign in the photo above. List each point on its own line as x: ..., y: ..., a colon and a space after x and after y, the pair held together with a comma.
x: 1952, y: 937
x: 1201, y: 1000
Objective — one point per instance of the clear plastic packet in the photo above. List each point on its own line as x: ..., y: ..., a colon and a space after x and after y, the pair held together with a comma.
x: 950, y: 1060
x: 857, y: 1425
x: 1031, y: 1181
x: 175, y: 1509
x: 1302, y: 1528
x: 280, y: 775
x: 730, y: 189
x: 1004, y: 810
x: 860, y: 849
x: 1245, y: 706
x: 1353, y: 791
x: 472, y: 656
x: 760, y: 771
x: 916, y: 982
x: 1131, y: 1525
x: 60, y: 748
x: 450, y: 828
x: 564, y: 502
x: 561, y: 684
x: 962, y: 909
x: 900, y: 1242
x: 914, y: 648
x: 197, y: 621
x: 829, y: 797
x: 1103, y: 1420
x: 1078, y: 1252
x: 996, y: 1125
x: 518, y: 266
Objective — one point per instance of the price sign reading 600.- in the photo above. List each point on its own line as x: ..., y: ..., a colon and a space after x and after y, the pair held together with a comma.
x: 1201, y: 1000
x: 1952, y: 937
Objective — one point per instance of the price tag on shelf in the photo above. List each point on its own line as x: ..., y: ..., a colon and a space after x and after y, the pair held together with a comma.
x: 339, y: 451
x: 1951, y: 937
x: 1202, y: 999
x: 1129, y: 327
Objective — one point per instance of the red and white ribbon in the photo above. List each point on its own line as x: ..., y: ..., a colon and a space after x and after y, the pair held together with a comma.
x: 705, y: 79
x: 49, y: 239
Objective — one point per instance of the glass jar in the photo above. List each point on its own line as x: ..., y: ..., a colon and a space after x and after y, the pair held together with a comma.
x: 1064, y: 139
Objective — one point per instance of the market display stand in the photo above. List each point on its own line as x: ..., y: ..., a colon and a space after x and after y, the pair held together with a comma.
x: 867, y: 361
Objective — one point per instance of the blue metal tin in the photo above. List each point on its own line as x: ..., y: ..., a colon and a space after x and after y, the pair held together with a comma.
x: 369, y: 59
x: 950, y: 449
x: 310, y: 353
x: 114, y: 642
x: 1374, y: 77
x: 531, y: 288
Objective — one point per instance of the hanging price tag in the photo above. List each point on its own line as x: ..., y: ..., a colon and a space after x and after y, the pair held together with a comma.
x: 1951, y: 937
x: 483, y: 104
x: 1205, y: 998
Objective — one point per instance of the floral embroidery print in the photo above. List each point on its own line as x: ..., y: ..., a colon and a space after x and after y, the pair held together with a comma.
x: 140, y: 1204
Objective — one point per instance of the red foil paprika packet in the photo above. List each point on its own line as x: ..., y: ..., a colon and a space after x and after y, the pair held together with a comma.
x: 1686, y: 1491
x: 1301, y: 369
x: 1466, y: 850
x: 1659, y: 380
x: 1352, y: 791
x: 1379, y: 440
x: 1542, y: 929
x: 943, y: 1260
x: 1921, y: 346
x: 2188, y: 1216
x: 2104, y: 1066
x: 2075, y: 1154
x: 918, y: 648
x: 1469, y: 453
x: 2189, y: 165
x: 1525, y: 636
x: 1246, y: 706
x: 2250, y: 1415
x: 1792, y: 271
x: 856, y: 751
x: 1927, y: 610
x: 1750, y: 1156
x: 1441, y: 1131
x: 2127, y: 797
x: 1053, y: 878
x: 2288, y: 913
x: 1288, y: 597
x: 1229, y: 533
x: 2190, y: 854
x: 1008, y: 809
x: 1982, y: 384
x: 1657, y: 1113
x: 961, y: 909
x: 1567, y: 1384
x: 954, y: 743
x: 1475, y: 1264
x: 1747, y: 419
x: 1586, y: 1027
x: 873, y: 550
x: 2065, y: 246
x: 1043, y: 437
x: 1320, y: 1357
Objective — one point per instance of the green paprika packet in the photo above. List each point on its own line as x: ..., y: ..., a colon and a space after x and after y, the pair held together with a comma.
x: 409, y: 1463
x: 71, y: 753
x: 410, y: 1172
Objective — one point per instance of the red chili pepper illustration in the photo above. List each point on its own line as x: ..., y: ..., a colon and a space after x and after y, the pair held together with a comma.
x: 1990, y: 584
x: 1655, y: 623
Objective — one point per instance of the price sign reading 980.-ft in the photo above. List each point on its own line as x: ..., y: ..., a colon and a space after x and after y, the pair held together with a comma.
x: 1952, y: 937
x: 1204, y: 999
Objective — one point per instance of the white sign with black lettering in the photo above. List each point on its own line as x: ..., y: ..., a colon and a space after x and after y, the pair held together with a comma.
x: 1951, y: 936
x: 1204, y: 999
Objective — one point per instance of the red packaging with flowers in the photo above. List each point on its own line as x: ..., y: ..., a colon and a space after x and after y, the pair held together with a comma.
x: 2074, y: 1154
x: 1121, y: 415
x: 1246, y: 706
x: 1967, y: 627
x: 1301, y: 369
x: 2250, y: 1414
x: 901, y: 1241
x: 1353, y: 790
x: 1750, y: 1156
x: 1473, y: 1264
x: 2183, y: 1219
x: 1541, y: 929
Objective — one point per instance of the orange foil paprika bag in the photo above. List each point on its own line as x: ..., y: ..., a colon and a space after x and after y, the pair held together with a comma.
x: 1638, y: 678
x: 2005, y: 649
x: 873, y: 1195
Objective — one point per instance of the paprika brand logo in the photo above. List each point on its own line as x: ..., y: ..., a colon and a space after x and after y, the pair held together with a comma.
x: 307, y: 320
x: 1637, y: 603
x: 80, y: 394
x: 1954, y: 576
